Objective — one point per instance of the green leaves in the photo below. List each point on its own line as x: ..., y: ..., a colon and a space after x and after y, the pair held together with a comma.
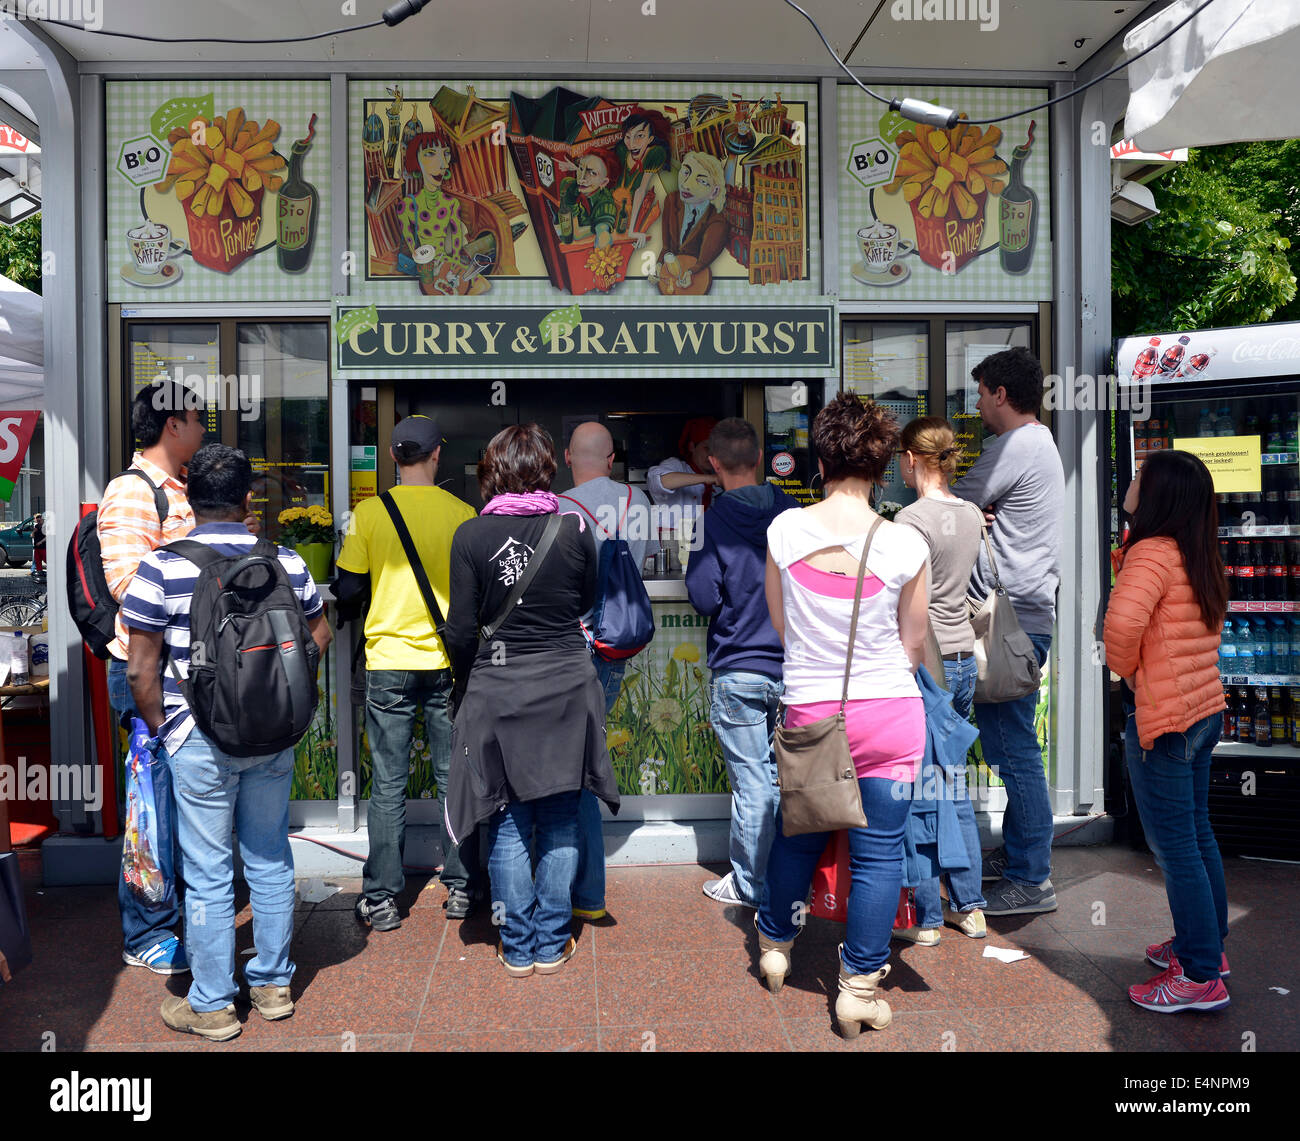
x: 20, y: 253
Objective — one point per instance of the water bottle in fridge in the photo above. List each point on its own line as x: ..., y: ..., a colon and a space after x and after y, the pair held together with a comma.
x: 1245, y: 647
x: 1281, y: 644
x: 1263, y: 645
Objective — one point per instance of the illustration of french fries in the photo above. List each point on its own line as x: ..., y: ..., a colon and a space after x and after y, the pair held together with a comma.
x: 945, y: 170
x: 235, y: 159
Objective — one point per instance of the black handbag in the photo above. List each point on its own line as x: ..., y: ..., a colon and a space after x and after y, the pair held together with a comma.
x: 815, y: 769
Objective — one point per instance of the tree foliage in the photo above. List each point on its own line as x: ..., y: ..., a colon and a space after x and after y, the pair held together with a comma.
x: 20, y: 252
x: 1224, y: 249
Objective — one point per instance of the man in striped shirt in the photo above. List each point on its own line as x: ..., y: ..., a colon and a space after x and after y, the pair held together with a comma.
x: 216, y: 792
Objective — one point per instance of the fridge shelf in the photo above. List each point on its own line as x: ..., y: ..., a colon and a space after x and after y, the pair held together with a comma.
x: 1281, y: 750
x: 1249, y: 606
x: 1280, y: 681
x: 1263, y: 531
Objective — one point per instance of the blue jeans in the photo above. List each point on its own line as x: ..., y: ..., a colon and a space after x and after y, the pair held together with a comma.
x: 743, y: 712
x: 964, y: 890
x: 1171, y: 786
x: 1012, y: 751
x: 216, y: 792
x: 589, y: 884
x: 392, y: 698
x: 537, y: 911
x: 142, y: 925
x: 876, y: 866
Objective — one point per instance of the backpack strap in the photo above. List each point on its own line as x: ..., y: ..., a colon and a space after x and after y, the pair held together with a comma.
x: 417, y: 566
x: 516, y: 594
x: 160, y: 502
x: 588, y: 511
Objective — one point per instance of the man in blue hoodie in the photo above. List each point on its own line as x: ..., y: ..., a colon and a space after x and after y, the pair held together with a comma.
x: 725, y: 582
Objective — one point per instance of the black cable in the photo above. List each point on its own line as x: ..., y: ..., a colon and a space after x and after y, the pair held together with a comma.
x: 894, y: 104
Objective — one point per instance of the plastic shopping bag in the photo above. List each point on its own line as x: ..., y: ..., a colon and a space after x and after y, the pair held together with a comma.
x: 140, y: 866
x: 831, y: 880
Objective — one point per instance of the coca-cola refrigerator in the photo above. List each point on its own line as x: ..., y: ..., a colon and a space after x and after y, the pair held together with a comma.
x: 1233, y: 397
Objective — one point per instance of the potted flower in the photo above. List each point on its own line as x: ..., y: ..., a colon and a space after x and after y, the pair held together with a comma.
x: 310, y: 532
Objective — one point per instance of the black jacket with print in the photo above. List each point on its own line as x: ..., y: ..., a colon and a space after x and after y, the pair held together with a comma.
x: 487, y: 555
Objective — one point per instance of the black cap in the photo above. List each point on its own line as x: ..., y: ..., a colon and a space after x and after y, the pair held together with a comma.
x: 415, y: 437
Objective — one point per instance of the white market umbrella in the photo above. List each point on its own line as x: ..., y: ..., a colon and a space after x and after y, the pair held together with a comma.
x: 22, y: 347
x: 1230, y: 75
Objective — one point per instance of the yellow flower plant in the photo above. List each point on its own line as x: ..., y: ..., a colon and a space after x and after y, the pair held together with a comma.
x: 312, y: 524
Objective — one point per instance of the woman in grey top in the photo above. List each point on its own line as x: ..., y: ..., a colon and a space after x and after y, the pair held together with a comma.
x: 952, y: 528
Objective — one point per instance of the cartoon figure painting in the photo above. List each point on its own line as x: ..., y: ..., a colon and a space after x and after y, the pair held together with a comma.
x: 430, y: 219
x: 695, y: 229
x: 643, y: 153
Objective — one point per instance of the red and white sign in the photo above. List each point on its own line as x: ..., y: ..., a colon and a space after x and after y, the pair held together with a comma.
x: 12, y: 143
x: 1127, y: 150
x: 782, y: 463
x: 16, y: 430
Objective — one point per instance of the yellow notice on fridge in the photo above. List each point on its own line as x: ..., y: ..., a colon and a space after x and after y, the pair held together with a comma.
x: 1233, y: 460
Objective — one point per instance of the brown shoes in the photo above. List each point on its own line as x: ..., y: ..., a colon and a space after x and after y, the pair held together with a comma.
x: 271, y: 1002
x: 215, y: 1025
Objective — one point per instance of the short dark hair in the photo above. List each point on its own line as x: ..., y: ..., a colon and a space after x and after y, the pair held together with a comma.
x: 218, y: 479
x: 407, y: 453
x: 734, y: 444
x: 1018, y: 371
x: 854, y: 438
x: 156, y: 403
x: 518, y: 460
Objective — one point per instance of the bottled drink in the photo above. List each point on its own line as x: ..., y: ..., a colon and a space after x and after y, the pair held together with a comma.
x: 1277, y: 570
x: 1140, y: 444
x: 1290, y: 482
x: 1173, y: 357
x: 1261, y: 569
x: 1263, y: 719
x: 1294, y: 624
x: 1228, y: 666
x: 1281, y: 641
x: 1293, y: 431
x: 296, y: 214
x: 1275, y: 440
x: 1225, y: 553
x: 1277, y: 716
x: 1196, y: 364
x: 1018, y: 214
x: 1274, y: 501
x: 1245, y: 718
x: 1229, y: 731
x: 1223, y: 422
x: 1245, y: 647
x: 1263, y: 645
x: 1148, y: 360
x: 1295, y: 716
x: 1244, y: 570
x: 1205, y: 425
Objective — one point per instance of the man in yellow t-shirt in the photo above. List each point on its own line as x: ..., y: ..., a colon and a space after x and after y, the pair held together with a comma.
x: 407, y: 667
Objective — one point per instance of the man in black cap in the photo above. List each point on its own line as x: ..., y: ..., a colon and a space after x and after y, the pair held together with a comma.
x: 407, y: 667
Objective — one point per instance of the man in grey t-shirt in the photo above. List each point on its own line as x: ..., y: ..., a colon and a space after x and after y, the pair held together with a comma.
x: 1019, y: 480
x: 604, y: 507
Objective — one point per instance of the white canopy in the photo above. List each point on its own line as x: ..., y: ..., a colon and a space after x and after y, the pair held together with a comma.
x: 1230, y: 75
x: 22, y: 347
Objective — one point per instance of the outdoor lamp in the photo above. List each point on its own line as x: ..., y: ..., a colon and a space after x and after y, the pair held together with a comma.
x: 16, y: 202
x: 394, y: 14
x: 1131, y: 202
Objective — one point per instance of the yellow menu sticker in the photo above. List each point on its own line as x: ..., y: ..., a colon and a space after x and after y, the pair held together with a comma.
x: 1233, y: 460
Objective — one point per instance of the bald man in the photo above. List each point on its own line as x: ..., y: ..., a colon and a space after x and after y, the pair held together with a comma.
x: 605, y: 506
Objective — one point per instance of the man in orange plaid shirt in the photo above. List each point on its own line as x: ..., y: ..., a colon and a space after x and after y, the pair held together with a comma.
x: 168, y: 423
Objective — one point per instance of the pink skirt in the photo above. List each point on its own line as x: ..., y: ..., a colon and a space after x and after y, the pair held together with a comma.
x: 886, y: 734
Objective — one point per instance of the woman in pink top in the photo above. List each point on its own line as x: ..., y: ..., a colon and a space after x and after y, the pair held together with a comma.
x: 812, y: 566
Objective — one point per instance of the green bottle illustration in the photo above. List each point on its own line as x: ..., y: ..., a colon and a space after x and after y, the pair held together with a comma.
x: 1018, y: 214
x: 299, y: 203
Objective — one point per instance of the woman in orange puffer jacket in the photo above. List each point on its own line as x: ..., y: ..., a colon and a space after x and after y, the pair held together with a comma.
x: 1162, y: 636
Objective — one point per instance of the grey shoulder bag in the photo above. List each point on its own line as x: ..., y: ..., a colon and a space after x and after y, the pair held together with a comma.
x: 1004, y: 656
x: 815, y: 770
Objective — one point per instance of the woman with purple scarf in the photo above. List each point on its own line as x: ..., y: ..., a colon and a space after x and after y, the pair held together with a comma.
x: 528, y: 731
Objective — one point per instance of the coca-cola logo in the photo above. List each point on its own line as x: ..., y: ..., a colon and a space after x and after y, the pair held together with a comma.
x: 1284, y: 348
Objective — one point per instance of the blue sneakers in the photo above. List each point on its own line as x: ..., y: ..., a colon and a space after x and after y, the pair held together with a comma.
x: 166, y: 957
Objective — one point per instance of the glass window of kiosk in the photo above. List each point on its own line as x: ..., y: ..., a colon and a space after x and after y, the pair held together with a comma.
x: 265, y: 386
x: 922, y: 368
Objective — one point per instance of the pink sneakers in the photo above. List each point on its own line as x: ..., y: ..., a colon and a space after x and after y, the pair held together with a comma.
x: 1170, y: 991
x: 1162, y: 955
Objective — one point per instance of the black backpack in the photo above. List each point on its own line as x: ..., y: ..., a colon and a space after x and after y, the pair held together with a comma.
x: 90, y: 602
x: 252, y: 674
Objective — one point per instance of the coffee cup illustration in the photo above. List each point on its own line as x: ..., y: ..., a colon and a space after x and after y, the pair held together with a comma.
x: 881, y: 247
x: 150, y: 244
